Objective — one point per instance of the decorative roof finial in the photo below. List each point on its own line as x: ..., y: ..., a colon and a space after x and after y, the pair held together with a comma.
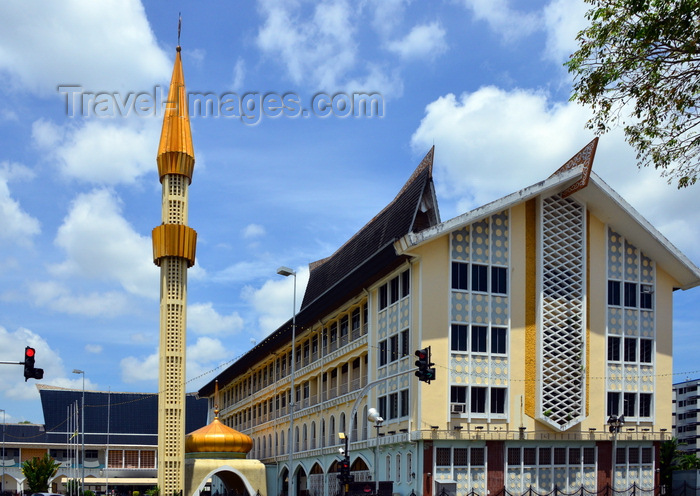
x: 179, y: 28
x: 216, y: 399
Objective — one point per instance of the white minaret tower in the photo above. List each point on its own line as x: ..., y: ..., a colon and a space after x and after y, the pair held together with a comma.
x: 173, y: 251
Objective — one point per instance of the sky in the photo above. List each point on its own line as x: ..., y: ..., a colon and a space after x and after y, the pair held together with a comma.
x: 81, y: 91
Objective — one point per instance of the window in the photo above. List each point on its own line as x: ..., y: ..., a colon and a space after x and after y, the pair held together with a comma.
x: 613, y: 404
x: 498, y: 400
x: 478, y: 400
x: 478, y: 339
x: 458, y: 394
x: 614, y: 348
x: 628, y: 409
x: 405, y: 342
x: 398, y: 468
x: 404, y: 402
x: 394, y: 290
x: 498, y: 340
x: 499, y: 280
x: 630, y: 294
x: 394, y: 348
x: 383, y: 297
x: 443, y: 457
x: 393, y: 405
x: 459, y: 337
x: 382, y: 353
x: 614, y: 293
x: 461, y: 457
x: 479, y: 278
x: 645, y: 350
x: 460, y: 272
x: 405, y: 283
x: 381, y: 406
x: 645, y: 296
x: 645, y: 405
x: 630, y: 349
x: 478, y: 456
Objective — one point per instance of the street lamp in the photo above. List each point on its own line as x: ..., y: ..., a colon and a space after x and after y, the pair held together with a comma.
x: 82, y: 435
x: 286, y: 272
x: 373, y: 416
x: 615, y: 424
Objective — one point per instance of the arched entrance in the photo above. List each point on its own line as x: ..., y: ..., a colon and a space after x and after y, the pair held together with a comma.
x: 301, y: 482
x: 239, y: 478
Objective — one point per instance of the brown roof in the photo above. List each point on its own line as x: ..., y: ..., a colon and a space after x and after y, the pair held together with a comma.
x: 401, y: 216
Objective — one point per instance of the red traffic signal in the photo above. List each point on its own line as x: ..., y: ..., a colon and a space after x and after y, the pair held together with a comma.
x: 30, y: 372
x: 425, y: 372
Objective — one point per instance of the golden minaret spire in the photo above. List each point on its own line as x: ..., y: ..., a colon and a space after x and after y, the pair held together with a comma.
x: 174, y: 252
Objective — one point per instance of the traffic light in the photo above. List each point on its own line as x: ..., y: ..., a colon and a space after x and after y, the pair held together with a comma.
x: 425, y: 372
x: 344, y: 471
x: 29, y: 371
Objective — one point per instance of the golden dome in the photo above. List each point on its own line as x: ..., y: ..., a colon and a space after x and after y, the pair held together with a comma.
x: 218, y: 438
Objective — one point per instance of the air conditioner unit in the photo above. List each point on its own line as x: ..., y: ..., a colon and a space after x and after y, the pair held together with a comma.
x: 458, y: 408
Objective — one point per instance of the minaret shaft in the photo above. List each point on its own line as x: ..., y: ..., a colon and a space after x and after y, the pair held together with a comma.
x: 174, y: 252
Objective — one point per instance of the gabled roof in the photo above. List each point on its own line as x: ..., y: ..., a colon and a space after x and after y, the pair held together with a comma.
x: 413, y: 209
x: 601, y: 200
x: 363, y: 259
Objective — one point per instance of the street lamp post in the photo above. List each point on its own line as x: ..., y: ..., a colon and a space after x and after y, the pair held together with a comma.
x: 373, y: 416
x: 615, y: 424
x: 82, y: 434
x: 286, y: 272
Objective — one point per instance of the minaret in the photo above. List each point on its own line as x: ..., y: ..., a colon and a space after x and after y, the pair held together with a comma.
x: 173, y: 251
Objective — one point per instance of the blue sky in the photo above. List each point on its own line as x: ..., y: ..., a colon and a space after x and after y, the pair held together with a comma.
x: 482, y: 80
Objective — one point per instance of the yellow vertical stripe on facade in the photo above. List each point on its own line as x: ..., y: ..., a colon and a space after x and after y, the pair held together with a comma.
x: 530, y: 306
x: 588, y: 309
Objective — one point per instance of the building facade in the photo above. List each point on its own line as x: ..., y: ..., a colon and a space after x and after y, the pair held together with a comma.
x: 547, y: 314
x: 686, y: 410
x: 121, y: 440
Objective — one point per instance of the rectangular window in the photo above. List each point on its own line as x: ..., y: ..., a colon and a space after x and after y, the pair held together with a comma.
x: 460, y: 273
x: 645, y: 405
x: 479, y: 339
x: 629, y: 407
x: 498, y: 400
x: 405, y: 343
x: 478, y: 457
x: 404, y: 403
x: 443, y: 457
x: 614, y: 293
x: 394, y: 290
x: 458, y: 394
x: 478, y: 400
x: 381, y: 406
x: 461, y: 457
x: 405, y: 283
x: 545, y: 456
x: 614, y: 348
x: 559, y: 456
x: 499, y: 280
x: 382, y: 353
x: 393, y: 405
x: 529, y: 456
x: 645, y: 350
x: 498, y: 340
x: 480, y: 278
x: 630, y: 294
x: 459, y: 337
x: 613, y: 404
x: 383, y: 297
x: 394, y: 348
x: 630, y: 349
x: 513, y: 457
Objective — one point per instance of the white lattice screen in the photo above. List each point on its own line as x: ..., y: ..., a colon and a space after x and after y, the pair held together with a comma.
x: 562, y: 337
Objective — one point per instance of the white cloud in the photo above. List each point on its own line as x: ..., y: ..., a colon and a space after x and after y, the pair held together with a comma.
x: 44, y: 44
x: 425, y: 41
x: 253, y: 231
x: 563, y: 19
x: 493, y: 142
x: 136, y: 369
x: 238, y: 75
x: 100, y: 244
x: 12, y: 383
x: 102, y: 151
x: 502, y: 19
x: 272, y: 302
x: 93, y: 348
x: 202, y: 318
x: 60, y: 298
x: 17, y: 225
